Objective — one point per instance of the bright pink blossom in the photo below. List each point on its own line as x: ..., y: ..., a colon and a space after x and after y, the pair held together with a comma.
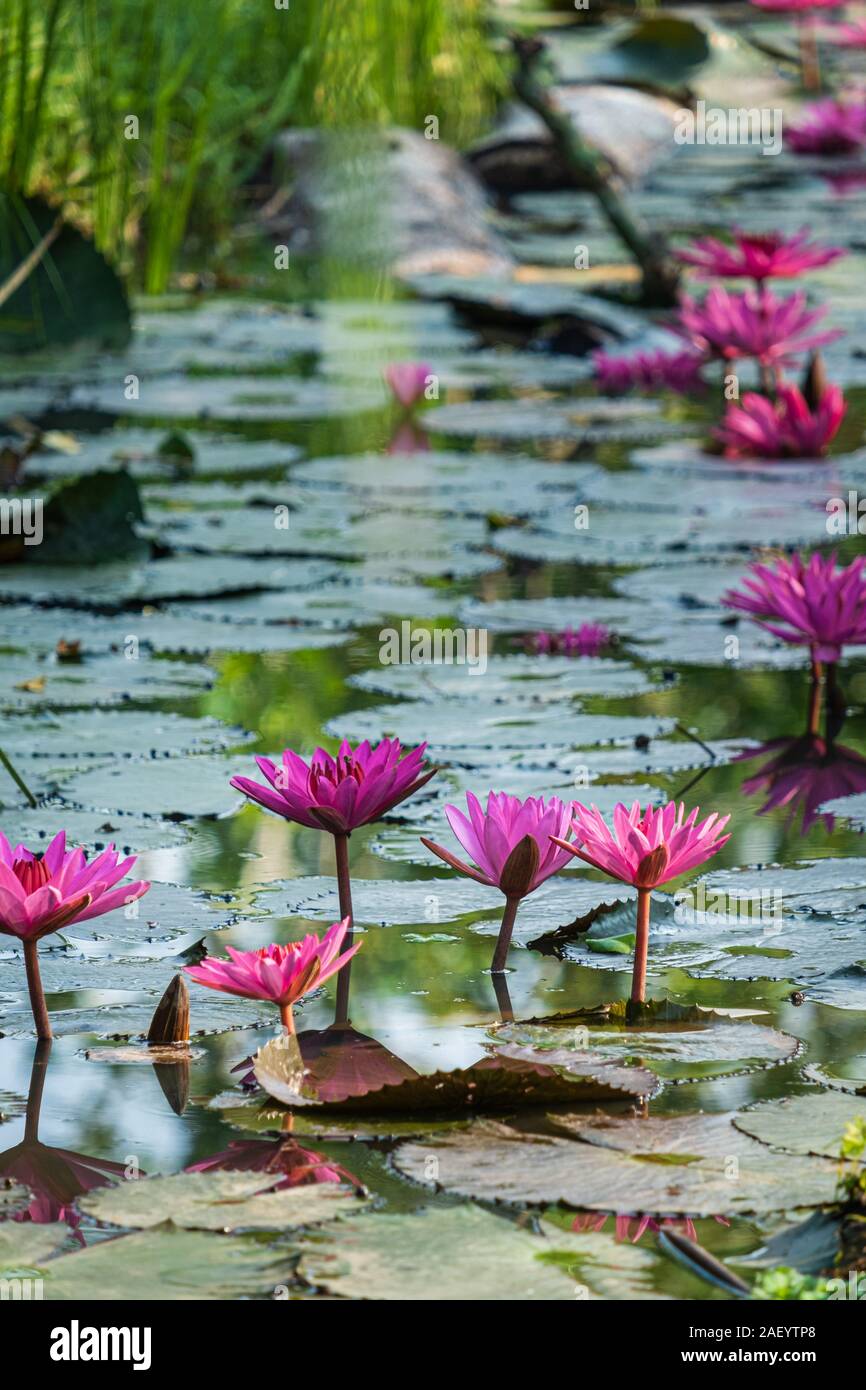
x: 509, y: 844
x: 811, y: 604
x: 278, y: 974
x: 827, y: 128
x: 752, y: 324
x: 650, y: 371
x: 798, y: 6
x: 42, y: 893
x: 408, y: 381
x: 786, y: 428
x: 759, y: 257
x: 339, y: 794
x: 849, y: 35
x: 645, y: 848
x: 586, y: 640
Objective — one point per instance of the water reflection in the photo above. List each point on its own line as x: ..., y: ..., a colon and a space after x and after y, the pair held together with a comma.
x: 803, y: 773
x: 56, y: 1178
x: 299, y: 1166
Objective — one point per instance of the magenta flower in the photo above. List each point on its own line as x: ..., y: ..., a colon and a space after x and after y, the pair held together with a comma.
x: 587, y: 640
x: 786, y: 428
x: 650, y: 371
x: 510, y: 846
x: 798, y: 6
x: 752, y: 324
x: 849, y: 35
x: 408, y: 381
x: 810, y: 604
x: 828, y: 128
x: 759, y: 257
x: 644, y: 848
x: 279, y: 974
x: 42, y: 893
x: 339, y: 794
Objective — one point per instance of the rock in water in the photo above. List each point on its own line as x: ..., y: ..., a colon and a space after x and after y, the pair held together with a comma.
x: 392, y: 198
x: 631, y: 128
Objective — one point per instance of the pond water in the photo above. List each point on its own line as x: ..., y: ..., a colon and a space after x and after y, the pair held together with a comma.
x: 239, y: 637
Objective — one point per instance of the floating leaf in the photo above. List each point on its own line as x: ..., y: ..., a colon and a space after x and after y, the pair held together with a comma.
x: 806, y: 1124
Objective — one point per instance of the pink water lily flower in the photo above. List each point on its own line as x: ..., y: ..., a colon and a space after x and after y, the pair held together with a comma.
x: 587, y: 640
x: 644, y: 848
x: 339, y: 793
x: 828, y: 128
x: 408, y: 381
x: 40, y: 893
x: 510, y: 845
x: 784, y: 428
x: 849, y: 35
x: 807, y: 603
x: 798, y: 6
x: 650, y: 371
x: 759, y: 257
x: 752, y: 324
x: 278, y: 974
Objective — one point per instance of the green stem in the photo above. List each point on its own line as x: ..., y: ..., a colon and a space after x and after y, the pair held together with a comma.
x: 17, y: 779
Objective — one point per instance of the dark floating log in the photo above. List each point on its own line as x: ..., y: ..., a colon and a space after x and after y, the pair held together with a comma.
x: 170, y: 1022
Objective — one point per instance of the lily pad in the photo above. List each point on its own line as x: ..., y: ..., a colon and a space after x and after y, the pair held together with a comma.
x: 25, y: 1246
x: 170, y: 1264
x: 181, y: 787
x: 807, y: 1124
x: 219, y: 1201
x: 492, y: 1162
x: 475, y: 1256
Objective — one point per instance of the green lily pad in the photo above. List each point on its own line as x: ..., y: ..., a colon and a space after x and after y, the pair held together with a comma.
x: 806, y: 1124
x: 219, y: 1201
x: 169, y: 1264
x: 476, y: 1256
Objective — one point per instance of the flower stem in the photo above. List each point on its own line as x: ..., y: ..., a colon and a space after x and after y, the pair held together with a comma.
x: 814, y: 723
x: 17, y: 779
x: 287, y: 1017
x: 37, y: 994
x: 503, y: 998
x: 344, y: 890
x: 810, y: 63
x: 500, y: 955
x: 638, y: 979
x: 38, y: 1072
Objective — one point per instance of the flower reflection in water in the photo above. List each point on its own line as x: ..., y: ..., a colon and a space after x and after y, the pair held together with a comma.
x: 630, y: 1227
x: 56, y: 1178
x: 803, y: 773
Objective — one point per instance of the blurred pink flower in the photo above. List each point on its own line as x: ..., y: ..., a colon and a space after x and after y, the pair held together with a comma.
x: 279, y: 974
x: 586, y: 640
x: 752, y: 324
x: 810, y: 603
x: 828, y: 127
x: 41, y: 893
x: 408, y: 381
x: 511, y: 846
x: 342, y: 793
x: 798, y: 6
x: 786, y: 428
x: 848, y: 35
x: 651, y: 371
x: 627, y: 1226
x: 759, y: 257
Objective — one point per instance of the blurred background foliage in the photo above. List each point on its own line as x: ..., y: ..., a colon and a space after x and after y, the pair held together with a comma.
x: 209, y: 82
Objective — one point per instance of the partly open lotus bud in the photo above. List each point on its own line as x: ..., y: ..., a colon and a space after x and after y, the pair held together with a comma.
x: 520, y: 868
x: 651, y: 868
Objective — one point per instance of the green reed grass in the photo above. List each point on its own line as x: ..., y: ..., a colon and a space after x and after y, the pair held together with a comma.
x: 210, y: 82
